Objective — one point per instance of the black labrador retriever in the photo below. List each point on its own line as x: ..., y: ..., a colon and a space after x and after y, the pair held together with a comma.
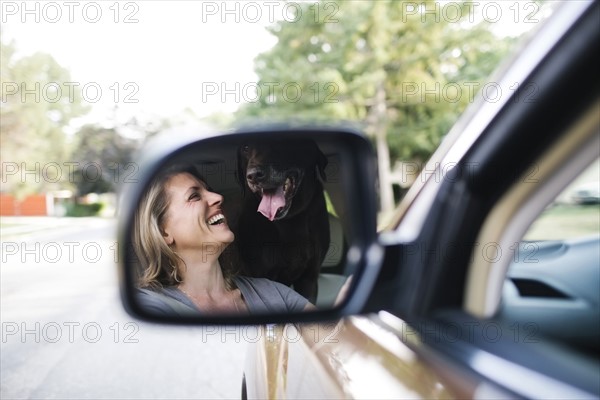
x: 283, y: 229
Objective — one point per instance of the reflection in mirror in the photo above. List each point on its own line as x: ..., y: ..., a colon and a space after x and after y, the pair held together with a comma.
x: 245, y: 226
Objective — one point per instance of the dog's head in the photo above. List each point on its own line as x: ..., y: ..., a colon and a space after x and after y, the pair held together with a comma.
x: 284, y: 174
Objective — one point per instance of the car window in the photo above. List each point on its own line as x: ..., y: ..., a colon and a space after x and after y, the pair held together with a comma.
x: 552, y: 284
x: 574, y: 213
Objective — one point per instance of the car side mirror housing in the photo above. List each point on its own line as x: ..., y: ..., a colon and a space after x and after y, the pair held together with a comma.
x: 274, y: 209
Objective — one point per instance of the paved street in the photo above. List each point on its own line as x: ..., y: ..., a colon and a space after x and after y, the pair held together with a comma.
x: 65, y: 334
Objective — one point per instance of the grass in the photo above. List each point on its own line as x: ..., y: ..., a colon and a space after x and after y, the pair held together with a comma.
x: 566, y: 221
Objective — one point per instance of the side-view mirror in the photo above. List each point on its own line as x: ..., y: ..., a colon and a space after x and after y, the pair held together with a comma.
x: 265, y: 225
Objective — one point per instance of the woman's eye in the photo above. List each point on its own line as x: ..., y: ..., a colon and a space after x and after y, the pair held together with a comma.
x: 194, y: 196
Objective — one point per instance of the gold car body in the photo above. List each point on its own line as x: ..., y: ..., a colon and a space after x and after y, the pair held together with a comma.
x: 377, y: 356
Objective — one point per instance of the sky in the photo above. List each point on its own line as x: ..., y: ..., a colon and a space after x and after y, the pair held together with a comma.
x: 161, y: 57
x: 167, y: 57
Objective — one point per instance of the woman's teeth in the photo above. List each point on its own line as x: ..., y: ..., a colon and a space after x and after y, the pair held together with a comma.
x: 217, y: 219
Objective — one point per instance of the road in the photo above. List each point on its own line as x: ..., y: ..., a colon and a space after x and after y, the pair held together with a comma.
x: 65, y: 334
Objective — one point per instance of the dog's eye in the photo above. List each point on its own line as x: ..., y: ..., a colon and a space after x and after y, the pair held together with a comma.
x: 245, y: 148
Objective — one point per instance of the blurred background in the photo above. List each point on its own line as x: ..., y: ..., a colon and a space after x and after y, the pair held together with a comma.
x: 84, y: 85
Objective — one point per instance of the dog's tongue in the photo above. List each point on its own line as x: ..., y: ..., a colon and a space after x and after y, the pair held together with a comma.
x: 271, y: 202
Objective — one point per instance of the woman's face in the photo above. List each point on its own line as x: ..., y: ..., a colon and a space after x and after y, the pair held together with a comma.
x: 194, y: 217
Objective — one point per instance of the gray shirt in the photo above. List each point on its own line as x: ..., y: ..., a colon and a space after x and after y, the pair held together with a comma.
x: 260, y: 295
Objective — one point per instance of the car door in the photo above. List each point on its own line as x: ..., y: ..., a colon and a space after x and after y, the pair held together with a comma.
x: 450, y: 272
x: 436, y: 325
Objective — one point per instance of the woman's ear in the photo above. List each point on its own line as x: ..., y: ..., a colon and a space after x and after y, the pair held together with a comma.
x: 168, y: 238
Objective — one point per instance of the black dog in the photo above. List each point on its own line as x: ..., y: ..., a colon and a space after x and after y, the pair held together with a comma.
x: 283, y: 230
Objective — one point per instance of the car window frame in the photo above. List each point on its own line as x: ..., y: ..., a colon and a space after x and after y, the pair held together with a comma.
x: 426, y: 289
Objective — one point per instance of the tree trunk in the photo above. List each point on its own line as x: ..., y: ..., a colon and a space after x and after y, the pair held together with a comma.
x: 386, y: 194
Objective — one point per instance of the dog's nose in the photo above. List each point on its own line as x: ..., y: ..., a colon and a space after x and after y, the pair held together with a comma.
x: 255, y: 175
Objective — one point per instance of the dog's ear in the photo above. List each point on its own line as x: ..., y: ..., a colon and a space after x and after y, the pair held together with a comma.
x: 321, y: 164
x: 241, y: 167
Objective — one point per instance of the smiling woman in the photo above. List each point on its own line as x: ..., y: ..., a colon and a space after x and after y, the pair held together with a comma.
x: 180, y: 235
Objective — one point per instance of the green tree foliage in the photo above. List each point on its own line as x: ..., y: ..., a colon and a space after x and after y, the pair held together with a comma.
x: 103, y: 159
x: 403, y: 73
x: 38, y: 103
x: 35, y: 108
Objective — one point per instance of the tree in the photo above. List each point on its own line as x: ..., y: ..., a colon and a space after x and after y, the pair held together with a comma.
x: 104, y: 154
x: 392, y: 68
x: 36, y: 105
x: 102, y: 160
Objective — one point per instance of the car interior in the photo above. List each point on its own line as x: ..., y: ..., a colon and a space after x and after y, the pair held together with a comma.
x: 552, y: 285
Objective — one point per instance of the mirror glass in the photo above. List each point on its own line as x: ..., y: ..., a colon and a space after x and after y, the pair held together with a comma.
x: 244, y: 224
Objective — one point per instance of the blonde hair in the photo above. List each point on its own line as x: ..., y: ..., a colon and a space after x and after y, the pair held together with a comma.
x: 160, y: 263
